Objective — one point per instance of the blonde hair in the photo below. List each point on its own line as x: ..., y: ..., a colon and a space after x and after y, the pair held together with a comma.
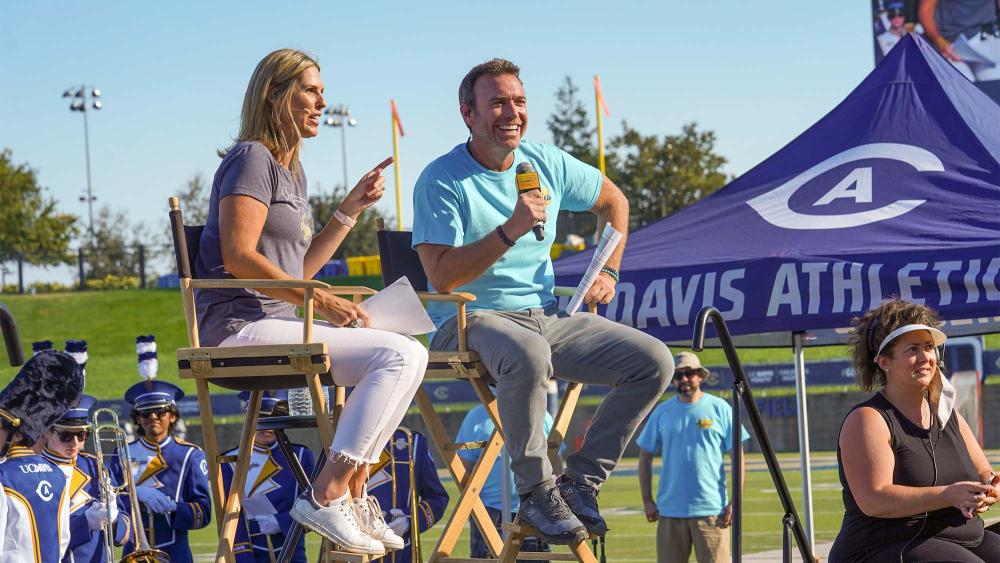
x: 277, y: 77
x: 872, y: 327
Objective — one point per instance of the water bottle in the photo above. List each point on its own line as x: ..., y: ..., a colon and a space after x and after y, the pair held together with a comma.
x: 299, y: 402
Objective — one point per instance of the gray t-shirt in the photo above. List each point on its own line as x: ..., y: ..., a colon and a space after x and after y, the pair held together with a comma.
x: 249, y: 169
x: 963, y: 17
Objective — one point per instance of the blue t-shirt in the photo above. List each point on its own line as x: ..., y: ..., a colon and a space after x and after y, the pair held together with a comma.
x: 457, y: 201
x: 692, y: 437
x: 478, y: 426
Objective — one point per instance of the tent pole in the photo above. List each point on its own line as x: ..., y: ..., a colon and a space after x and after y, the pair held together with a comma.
x: 803, y: 418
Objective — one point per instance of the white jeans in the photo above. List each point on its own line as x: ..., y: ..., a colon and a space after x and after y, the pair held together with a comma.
x: 384, y: 368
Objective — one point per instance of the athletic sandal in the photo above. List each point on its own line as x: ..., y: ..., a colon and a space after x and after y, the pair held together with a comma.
x: 336, y: 522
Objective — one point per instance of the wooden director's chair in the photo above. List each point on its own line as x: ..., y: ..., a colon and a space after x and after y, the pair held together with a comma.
x: 248, y: 368
x: 398, y: 260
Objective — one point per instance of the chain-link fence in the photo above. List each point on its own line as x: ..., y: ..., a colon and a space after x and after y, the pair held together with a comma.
x: 89, y: 267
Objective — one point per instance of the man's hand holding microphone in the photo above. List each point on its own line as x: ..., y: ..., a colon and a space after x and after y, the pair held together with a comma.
x: 529, y: 211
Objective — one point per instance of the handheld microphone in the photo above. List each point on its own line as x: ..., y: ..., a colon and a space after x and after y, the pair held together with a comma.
x: 527, y: 180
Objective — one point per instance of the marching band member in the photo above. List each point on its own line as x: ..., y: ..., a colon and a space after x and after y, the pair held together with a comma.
x: 405, y: 477
x: 170, y: 475
x: 89, y: 517
x: 270, y: 491
x: 37, y: 506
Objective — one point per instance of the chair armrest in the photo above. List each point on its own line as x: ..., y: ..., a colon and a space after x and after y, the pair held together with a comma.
x: 457, y: 297
x: 235, y: 283
x: 563, y: 291
x: 349, y: 290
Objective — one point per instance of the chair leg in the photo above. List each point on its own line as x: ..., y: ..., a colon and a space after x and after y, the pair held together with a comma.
x: 211, y: 450
x: 230, y: 516
x: 561, y: 423
x: 321, y: 409
x: 439, y: 437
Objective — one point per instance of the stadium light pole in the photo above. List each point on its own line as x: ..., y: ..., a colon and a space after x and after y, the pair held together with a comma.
x: 83, y: 98
x: 340, y: 116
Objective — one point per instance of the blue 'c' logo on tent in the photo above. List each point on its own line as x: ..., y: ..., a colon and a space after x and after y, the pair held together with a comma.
x: 773, y: 206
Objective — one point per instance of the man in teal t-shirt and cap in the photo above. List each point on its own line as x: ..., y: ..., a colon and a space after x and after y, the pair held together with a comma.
x: 692, y: 431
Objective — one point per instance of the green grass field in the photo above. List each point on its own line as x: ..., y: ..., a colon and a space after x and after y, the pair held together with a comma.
x: 632, y: 539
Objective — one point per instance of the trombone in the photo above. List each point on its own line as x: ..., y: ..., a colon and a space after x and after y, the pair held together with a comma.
x: 415, y: 554
x: 109, y: 432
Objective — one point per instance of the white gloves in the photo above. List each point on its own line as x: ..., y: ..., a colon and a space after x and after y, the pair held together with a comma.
x: 268, y: 524
x: 400, y: 523
x: 98, y: 516
x: 155, y: 500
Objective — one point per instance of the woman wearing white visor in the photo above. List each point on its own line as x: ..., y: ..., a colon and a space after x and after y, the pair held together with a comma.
x: 913, y: 474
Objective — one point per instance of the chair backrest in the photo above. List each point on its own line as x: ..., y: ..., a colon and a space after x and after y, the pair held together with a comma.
x: 400, y: 259
x: 187, y: 241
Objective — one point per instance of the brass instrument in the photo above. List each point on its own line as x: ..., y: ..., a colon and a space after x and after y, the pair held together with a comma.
x: 415, y: 555
x: 110, y: 432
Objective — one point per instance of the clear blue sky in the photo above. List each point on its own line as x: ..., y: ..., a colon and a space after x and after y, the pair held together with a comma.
x: 173, y: 76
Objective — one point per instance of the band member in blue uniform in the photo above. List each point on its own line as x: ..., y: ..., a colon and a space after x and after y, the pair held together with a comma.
x: 89, y: 516
x: 270, y: 491
x: 170, y: 475
x: 37, y: 508
x: 404, y: 471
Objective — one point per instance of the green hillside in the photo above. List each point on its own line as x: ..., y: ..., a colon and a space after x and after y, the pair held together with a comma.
x: 110, y: 320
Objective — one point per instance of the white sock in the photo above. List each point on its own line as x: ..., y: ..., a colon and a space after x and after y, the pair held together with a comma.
x: 343, y: 497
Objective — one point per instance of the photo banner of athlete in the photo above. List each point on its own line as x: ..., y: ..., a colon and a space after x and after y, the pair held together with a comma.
x: 894, y: 191
x: 966, y: 33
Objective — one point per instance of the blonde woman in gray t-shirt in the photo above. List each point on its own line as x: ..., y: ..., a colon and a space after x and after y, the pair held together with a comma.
x: 260, y: 226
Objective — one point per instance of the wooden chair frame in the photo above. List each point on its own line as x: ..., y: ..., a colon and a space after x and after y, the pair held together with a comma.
x: 249, y: 368
x: 466, y: 364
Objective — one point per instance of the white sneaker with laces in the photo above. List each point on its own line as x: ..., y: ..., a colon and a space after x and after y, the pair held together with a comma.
x: 336, y: 522
x: 370, y: 515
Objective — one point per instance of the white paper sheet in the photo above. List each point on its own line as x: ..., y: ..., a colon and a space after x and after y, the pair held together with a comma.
x: 398, y: 309
x: 609, y: 240
x: 258, y: 505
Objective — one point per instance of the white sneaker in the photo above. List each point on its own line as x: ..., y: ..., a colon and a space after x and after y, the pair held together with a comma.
x: 371, y: 517
x: 336, y: 522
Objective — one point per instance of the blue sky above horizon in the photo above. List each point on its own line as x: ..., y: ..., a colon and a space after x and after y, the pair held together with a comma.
x: 173, y: 75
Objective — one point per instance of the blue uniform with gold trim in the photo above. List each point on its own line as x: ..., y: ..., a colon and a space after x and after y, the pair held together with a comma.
x: 271, y: 482
x: 177, y: 469
x: 432, y: 499
x: 37, y: 508
x: 85, y: 545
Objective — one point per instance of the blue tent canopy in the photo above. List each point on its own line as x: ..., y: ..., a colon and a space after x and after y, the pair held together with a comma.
x: 895, y: 191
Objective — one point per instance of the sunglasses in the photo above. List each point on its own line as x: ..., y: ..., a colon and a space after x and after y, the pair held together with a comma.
x: 160, y: 413
x: 68, y: 436
x: 679, y: 375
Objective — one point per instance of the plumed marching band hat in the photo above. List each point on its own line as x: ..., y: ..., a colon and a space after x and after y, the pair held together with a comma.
x: 145, y: 350
x: 150, y: 394
x: 273, y: 403
x: 78, y: 416
x: 47, y: 386
x: 40, y: 346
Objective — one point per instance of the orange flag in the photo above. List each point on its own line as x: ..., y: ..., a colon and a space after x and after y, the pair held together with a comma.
x: 600, y: 96
x: 395, y: 118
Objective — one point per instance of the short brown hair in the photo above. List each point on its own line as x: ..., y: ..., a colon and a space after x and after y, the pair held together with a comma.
x: 172, y: 409
x: 493, y: 66
x: 872, y: 327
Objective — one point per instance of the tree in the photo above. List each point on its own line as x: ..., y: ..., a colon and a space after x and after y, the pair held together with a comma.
x: 30, y: 225
x: 194, y: 200
x: 361, y: 241
x: 112, y: 249
x: 570, y: 126
x: 662, y: 175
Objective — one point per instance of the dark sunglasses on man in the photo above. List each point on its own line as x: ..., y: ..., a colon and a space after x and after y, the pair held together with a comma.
x: 688, y: 373
x: 159, y: 412
x: 67, y: 436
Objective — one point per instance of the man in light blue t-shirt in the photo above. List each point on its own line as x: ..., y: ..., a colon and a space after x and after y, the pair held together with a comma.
x: 692, y: 431
x: 477, y: 426
x: 470, y: 226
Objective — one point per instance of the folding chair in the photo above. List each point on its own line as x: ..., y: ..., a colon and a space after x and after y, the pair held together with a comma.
x: 247, y: 368
x: 398, y: 260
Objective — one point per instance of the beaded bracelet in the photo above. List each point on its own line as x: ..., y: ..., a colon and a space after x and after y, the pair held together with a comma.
x: 611, y: 272
x: 503, y: 236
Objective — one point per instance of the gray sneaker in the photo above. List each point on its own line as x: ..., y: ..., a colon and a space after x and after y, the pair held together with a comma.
x: 582, y: 500
x: 336, y: 522
x: 547, y: 512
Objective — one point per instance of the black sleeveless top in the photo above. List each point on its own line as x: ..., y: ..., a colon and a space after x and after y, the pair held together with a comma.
x: 861, y: 535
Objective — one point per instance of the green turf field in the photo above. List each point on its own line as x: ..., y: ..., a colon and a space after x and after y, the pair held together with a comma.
x: 632, y: 539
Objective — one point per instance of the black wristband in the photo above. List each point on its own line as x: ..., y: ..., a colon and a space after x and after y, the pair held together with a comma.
x: 503, y: 236
x: 611, y: 272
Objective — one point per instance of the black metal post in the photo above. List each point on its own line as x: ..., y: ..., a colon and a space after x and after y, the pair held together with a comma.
x: 20, y: 274
x: 142, y: 267
x: 737, y: 458
x: 741, y: 386
x: 79, y: 265
x: 786, y: 538
x: 10, y: 337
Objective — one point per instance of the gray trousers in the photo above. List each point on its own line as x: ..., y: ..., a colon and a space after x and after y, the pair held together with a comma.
x: 524, y: 349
